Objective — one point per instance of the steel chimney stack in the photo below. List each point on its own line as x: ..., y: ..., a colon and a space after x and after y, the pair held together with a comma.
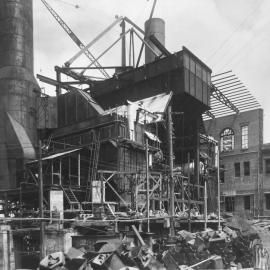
x: 18, y: 90
x: 156, y: 27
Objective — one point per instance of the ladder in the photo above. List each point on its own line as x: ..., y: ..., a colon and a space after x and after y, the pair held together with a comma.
x: 93, y: 162
x: 71, y: 197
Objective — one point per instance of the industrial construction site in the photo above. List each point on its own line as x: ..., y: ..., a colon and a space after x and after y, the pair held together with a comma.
x: 154, y: 163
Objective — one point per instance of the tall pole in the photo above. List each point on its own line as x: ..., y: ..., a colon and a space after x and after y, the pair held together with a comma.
x: 170, y: 143
x: 218, y: 191
x: 42, y: 225
x: 147, y: 184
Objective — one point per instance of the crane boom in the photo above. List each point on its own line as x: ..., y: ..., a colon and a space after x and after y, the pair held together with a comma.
x: 75, y: 38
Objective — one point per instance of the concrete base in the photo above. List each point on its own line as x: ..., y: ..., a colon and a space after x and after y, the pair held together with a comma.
x: 58, y: 240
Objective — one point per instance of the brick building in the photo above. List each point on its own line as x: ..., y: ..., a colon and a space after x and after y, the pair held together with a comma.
x: 240, y: 138
x: 266, y: 178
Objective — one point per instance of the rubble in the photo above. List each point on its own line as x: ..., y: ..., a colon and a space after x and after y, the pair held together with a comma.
x: 208, y: 249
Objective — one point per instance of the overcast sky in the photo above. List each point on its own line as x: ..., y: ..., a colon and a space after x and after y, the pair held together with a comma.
x: 225, y: 34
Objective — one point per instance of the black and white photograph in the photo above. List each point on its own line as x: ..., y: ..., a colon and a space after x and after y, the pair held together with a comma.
x: 134, y: 134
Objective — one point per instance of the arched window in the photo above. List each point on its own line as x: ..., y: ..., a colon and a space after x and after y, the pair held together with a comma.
x: 227, y: 140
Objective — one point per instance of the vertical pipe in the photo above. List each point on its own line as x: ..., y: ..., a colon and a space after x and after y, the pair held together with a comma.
x: 189, y: 224
x: 218, y: 180
x: 42, y: 227
x: 147, y: 184
x: 171, y: 204
x: 58, y: 79
x: 123, y: 60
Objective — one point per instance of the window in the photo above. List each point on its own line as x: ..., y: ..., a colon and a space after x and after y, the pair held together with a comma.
x: 222, y: 174
x: 246, y: 168
x: 267, y: 165
x: 237, y: 169
x: 227, y: 140
x: 229, y: 204
x: 244, y: 137
x: 247, y: 202
x: 267, y: 201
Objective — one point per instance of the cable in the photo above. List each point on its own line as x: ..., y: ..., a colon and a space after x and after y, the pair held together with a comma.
x: 64, y: 2
x: 241, y: 49
x: 235, y: 30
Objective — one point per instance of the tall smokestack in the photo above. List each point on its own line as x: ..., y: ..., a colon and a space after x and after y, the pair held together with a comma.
x: 156, y: 27
x: 17, y: 89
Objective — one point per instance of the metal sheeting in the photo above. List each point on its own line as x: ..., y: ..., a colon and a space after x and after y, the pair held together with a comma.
x: 151, y: 109
x: 235, y: 91
x: 24, y: 141
x: 57, y: 155
x: 91, y: 101
x: 152, y: 137
x: 61, y: 154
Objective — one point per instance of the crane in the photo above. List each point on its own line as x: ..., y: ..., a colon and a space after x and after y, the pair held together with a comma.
x: 75, y: 38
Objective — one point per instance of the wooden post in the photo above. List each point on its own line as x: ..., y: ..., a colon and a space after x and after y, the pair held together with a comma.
x: 41, y: 213
x: 170, y: 143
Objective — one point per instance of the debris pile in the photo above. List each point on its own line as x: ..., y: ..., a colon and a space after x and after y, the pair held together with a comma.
x: 209, y: 249
x: 190, y: 249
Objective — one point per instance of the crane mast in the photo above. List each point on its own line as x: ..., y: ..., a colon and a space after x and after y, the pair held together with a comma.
x: 75, y: 38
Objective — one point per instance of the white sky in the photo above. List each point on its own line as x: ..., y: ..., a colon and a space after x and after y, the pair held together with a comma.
x: 225, y: 34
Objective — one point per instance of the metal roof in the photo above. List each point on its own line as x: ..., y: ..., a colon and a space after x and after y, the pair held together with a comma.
x: 229, y: 96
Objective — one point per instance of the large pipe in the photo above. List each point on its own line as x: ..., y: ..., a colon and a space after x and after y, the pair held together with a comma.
x: 18, y: 89
x: 156, y: 27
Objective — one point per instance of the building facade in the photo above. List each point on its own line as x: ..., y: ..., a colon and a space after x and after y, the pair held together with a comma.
x: 240, y: 139
x: 266, y: 178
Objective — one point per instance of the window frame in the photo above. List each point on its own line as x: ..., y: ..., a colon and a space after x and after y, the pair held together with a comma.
x: 245, y: 172
x: 236, y: 174
x: 222, y: 174
x: 226, y: 133
x: 247, y: 203
x: 267, y: 201
x: 244, y: 136
x: 265, y: 167
x: 229, y: 203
